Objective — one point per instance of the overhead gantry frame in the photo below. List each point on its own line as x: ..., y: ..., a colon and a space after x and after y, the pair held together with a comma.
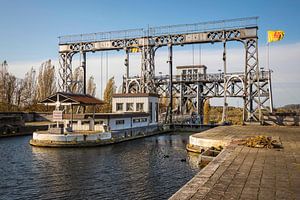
x: 147, y: 41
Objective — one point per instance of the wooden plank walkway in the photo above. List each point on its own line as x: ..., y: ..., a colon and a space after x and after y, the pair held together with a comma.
x: 241, y: 172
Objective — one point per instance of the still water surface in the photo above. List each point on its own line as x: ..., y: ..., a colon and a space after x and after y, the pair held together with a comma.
x: 147, y: 168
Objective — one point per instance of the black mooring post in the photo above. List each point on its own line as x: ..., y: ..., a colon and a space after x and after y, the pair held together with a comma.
x: 83, y: 64
x: 171, y: 81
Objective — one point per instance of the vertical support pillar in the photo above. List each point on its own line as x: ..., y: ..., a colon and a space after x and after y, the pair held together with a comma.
x: 72, y: 116
x: 65, y: 72
x: 148, y: 69
x: 252, y: 89
x: 200, y: 101
x: 170, y: 61
x: 83, y: 65
x: 225, y: 84
x: 127, y: 63
x: 125, y: 88
x: 182, y: 104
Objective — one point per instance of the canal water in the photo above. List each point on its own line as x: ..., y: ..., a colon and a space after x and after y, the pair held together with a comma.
x: 148, y: 168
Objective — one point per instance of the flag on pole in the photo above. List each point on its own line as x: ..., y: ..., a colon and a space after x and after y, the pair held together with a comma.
x: 274, y: 36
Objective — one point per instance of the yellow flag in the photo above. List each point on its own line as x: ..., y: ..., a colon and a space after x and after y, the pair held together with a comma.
x: 134, y: 50
x: 274, y: 36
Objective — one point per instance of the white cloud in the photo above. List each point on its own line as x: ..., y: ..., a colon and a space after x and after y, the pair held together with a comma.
x: 284, y: 61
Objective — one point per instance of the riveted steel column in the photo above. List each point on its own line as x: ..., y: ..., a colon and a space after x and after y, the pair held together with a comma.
x: 252, y: 88
x: 147, y: 73
x: 170, y: 61
x: 83, y: 65
x: 225, y: 83
x: 65, y: 72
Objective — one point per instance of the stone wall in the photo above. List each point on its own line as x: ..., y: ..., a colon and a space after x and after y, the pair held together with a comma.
x: 282, y: 119
x: 134, y: 132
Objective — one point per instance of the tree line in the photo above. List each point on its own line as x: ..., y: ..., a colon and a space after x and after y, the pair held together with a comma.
x: 23, y: 94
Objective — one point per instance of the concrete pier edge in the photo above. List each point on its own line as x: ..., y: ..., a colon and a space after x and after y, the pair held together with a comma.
x: 197, y: 182
x: 241, y: 172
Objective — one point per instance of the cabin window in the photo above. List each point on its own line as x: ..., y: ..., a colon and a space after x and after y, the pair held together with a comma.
x: 98, y: 122
x: 119, y: 106
x: 137, y: 120
x: 120, y: 122
x: 144, y: 119
x: 129, y: 106
x: 140, y: 107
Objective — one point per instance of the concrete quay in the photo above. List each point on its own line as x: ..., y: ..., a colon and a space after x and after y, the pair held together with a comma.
x: 241, y: 172
x: 92, y: 138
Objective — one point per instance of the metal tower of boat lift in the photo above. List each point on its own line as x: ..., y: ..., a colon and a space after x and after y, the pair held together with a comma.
x: 253, y: 85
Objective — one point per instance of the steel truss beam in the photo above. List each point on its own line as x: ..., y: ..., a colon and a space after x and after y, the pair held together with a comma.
x: 191, y: 91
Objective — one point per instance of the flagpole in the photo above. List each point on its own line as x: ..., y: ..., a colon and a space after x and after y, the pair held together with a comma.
x: 273, y: 36
x: 268, y: 55
x: 269, y: 78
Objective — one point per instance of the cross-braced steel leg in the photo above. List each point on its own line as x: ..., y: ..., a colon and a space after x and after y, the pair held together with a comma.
x: 252, y: 103
x: 65, y: 72
x: 148, y: 74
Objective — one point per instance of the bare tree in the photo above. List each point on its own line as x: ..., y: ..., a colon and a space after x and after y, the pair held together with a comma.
x: 91, y: 86
x: 77, y: 78
x: 28, y: 95
x: 8, y: 86
x: 46, y: 83
x: 3, y: 77
x: 18, y: 92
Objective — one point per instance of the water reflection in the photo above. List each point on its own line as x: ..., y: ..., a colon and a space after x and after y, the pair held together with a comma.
x: 148, y: 168
x: 193, y: 159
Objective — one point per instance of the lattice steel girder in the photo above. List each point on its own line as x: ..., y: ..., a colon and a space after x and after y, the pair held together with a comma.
x: 148, y: 70
x: 214, y: 87
x: 65, y: 72
x: 162, y: 40
x: 189, y: 93
x: 252, y: 103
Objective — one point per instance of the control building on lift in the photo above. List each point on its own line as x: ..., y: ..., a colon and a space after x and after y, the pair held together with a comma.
x: 190, y: 79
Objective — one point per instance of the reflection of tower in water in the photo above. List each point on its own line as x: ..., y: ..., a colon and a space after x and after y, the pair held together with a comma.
x: 193, y: 159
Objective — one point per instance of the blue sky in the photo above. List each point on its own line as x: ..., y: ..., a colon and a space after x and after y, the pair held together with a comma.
x: 29, y: 29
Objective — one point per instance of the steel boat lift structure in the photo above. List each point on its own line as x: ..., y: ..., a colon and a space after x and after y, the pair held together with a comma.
x: 252, y: 84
